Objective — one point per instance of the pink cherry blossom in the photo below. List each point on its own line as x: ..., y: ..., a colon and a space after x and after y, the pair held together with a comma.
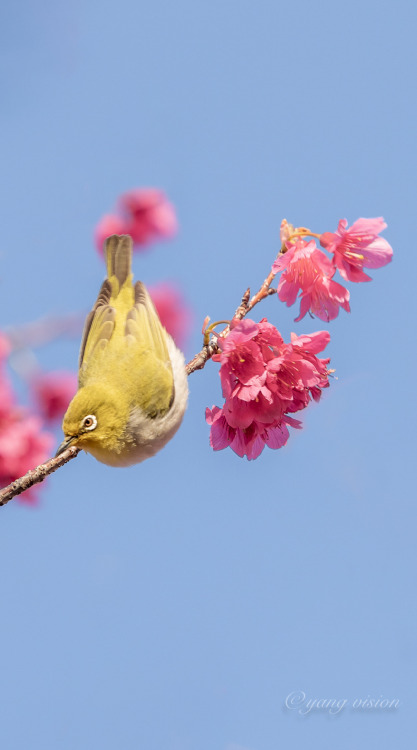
x: 243, y: 372
x: 263, y: 381
x: 151, y: 216
x: 108, y: 225
x: 172, y: 310
x: 301, y: 264
x: 260, y: 373
x: 357, y: 247
x: 308, y: 271
x: 311, y: 343
x: 53, y: 391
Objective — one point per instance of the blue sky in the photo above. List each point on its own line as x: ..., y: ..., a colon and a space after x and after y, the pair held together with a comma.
x: 178, y: 603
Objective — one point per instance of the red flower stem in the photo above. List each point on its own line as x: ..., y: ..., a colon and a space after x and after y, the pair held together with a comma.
x: 211, y: 328
x: 303, y: 233
x: 37, y: 475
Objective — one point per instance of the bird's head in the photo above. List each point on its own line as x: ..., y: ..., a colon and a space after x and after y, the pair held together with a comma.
x: 95, y: 419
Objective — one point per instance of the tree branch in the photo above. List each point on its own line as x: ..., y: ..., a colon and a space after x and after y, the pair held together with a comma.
x: 200, y: 359
x: 37, y: 475
x: 39, y: 332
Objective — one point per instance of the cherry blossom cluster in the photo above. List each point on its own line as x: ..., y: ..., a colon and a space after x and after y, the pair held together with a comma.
x: 307, y: 272
x: 263, y: 379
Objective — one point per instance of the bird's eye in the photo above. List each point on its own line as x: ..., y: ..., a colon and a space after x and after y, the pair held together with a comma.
x: 90, y: 422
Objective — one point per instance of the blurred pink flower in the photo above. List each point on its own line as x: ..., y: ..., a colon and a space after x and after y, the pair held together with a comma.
x: 358, y: 246
x: 150, y: 215
x: 4, y: 347
x: 145, y: 213
x: 53, y: 391
x: 172, y: 310
x: 263, y: 380
x: 108, y: 225
x: 6, y: 397
x: 6, y: 392
x: 23, y: 446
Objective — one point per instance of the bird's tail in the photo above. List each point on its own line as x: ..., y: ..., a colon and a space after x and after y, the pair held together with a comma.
x: 118, y: 253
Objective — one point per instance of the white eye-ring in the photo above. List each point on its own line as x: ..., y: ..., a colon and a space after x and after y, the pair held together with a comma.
x: 90, y: 422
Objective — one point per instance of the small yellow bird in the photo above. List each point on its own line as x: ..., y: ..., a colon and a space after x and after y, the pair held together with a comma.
x: 132, y: 385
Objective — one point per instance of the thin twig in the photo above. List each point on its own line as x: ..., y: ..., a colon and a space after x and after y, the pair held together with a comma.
x: 200, y: 359
x: 37, y: 475
x: 263, y: 292
x: 40, y: 332
x: 243, y: 307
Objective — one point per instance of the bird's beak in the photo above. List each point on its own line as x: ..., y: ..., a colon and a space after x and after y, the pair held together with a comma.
x: 65, y: 444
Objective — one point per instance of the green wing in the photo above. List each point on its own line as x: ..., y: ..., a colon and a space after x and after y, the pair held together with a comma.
x: 147, y: 338
x: 98, y: 329
x: 123, y: 339
x: 100, y: 323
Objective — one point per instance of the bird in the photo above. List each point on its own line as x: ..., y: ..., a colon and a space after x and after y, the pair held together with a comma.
x: 132, y: 384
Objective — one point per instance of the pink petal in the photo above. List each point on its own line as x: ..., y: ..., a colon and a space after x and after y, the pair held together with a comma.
x: 312, y: 342
x: 221, y: 434
x: 276, y: 437
x: 367, y: 226
x: 255, y: 449
x: 295, y: 423
x: 305, y: 303
x: 378, y: 253
x: 287, y: 290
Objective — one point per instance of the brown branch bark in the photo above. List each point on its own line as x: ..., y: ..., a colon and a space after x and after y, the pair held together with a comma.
x: 200, y: 359
x: 247, y: 304
x: 37, y: 475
